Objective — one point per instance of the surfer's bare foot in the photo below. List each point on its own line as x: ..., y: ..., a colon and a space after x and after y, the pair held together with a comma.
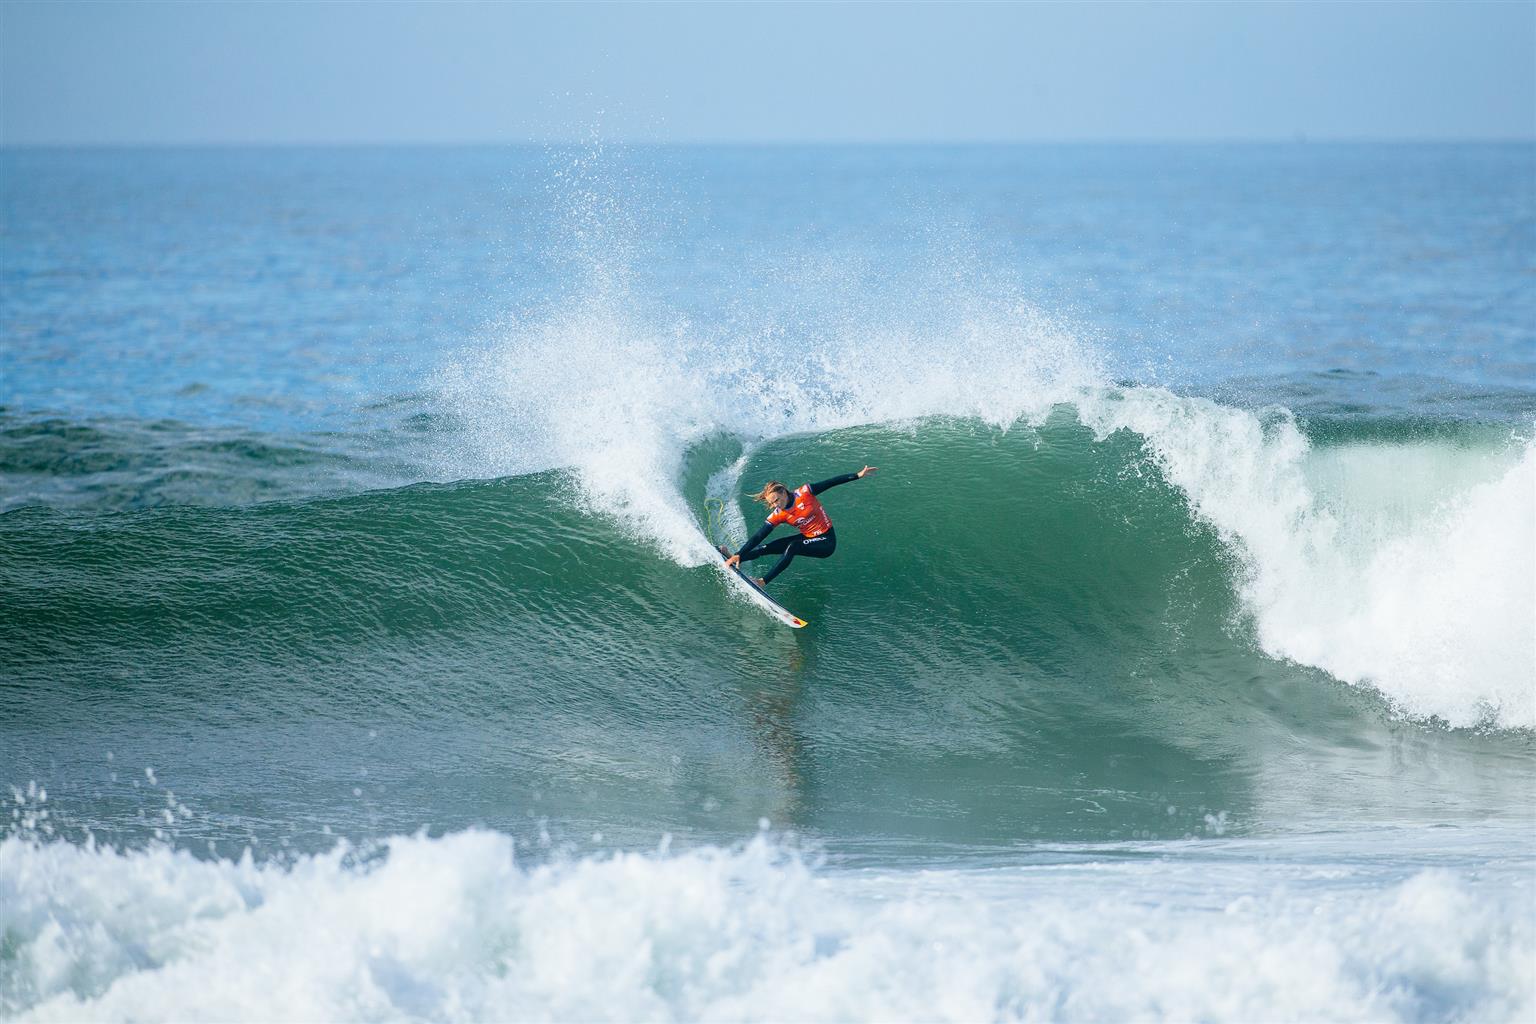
x: 762, y: 582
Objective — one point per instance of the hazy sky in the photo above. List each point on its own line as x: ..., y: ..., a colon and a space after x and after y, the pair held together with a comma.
x: 404, y: 72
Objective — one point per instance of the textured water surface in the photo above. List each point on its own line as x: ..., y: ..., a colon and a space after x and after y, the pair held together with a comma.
x: 359, y: 626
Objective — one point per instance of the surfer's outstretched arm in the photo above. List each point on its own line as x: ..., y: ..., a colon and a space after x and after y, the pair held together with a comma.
x: 822, y: 485
x: 817, y: 488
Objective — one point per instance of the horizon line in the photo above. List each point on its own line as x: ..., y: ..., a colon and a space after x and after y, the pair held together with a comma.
x: 1257, y: 140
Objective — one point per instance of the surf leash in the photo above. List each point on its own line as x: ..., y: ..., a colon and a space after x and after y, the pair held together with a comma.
x: 714, y: 519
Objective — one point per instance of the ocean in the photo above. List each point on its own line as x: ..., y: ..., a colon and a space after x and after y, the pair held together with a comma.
x: 363, y: 654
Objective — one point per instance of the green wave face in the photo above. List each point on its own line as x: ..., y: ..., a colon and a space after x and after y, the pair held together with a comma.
x: 1023, y: 633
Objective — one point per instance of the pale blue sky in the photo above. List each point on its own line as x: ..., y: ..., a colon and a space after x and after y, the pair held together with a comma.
x: 372, y: 72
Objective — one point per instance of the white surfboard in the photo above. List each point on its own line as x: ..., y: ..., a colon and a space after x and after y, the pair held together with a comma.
x: 758, y: 596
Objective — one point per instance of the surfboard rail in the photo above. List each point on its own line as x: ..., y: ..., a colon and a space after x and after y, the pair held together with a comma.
x: 758, y: 596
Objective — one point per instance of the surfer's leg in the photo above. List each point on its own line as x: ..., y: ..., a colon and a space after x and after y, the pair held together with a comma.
x: 773, y: 547
x: 810, y: 547
x: 791, y: 549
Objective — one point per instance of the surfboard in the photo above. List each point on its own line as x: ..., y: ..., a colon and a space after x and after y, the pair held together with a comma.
x: 758, y: 596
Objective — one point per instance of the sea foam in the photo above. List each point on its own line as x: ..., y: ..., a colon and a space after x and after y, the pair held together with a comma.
x: 455, y: 928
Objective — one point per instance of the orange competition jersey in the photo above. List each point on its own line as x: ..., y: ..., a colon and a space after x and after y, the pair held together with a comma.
x: 805, y: 515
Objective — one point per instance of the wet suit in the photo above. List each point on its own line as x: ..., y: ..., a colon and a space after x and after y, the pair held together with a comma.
x: 817, y: 538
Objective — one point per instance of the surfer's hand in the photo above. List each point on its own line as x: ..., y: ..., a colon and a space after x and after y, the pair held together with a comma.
x: 866, y: 470
x: 733, y: 561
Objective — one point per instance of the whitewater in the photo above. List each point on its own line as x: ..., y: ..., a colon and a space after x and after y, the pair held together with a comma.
x: 362, y: 655
x: 457, y: 929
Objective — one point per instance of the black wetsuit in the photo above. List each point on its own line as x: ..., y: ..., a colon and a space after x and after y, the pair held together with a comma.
x: 789, y: 547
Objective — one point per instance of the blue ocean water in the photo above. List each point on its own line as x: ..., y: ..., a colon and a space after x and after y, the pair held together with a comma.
x: 359, y: 626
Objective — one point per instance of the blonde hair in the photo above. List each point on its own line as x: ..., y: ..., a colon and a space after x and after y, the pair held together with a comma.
x: 771, y: 488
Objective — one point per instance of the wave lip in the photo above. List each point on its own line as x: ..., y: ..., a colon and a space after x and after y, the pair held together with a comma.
x: 1437, y: 611
x: 1433, y: 605
x: 454, y: 928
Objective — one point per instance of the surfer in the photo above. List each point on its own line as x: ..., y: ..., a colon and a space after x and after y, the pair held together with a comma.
x: 801, y: 510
